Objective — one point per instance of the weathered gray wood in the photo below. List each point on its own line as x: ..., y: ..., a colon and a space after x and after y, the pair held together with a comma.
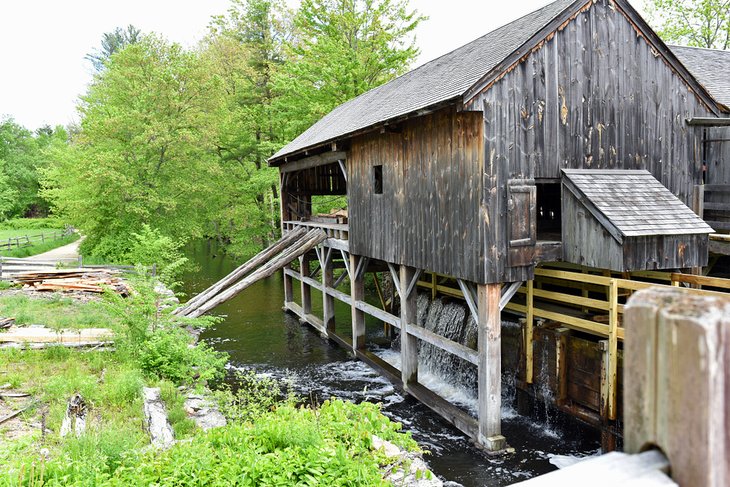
x: 676, y: 395
x: 312, y: 239
x: 437, y: 340
x: 328, y: 301
x: 357, y: 293
x: 378, y: 313
x: 490, y: 365
x: 236, y: 275
x: 314, y: 161
x: 305, y: 288
x: 408, y: 317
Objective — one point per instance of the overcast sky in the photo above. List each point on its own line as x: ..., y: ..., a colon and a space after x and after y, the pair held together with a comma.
x: 43, y: 42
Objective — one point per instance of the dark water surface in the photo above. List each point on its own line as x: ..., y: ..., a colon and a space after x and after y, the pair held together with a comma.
x: 258, y: 335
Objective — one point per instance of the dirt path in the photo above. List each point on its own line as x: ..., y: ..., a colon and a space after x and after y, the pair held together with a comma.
x: 66, y: 252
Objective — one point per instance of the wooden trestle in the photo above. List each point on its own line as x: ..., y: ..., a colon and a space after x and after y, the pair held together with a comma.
x: 561, y: 293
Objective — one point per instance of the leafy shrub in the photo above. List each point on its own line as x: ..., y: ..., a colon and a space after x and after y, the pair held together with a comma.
x: 166, y: 354
x: 151, y: 247
x: 252, y: 397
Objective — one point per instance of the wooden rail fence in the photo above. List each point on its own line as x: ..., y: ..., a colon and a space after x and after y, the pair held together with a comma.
x: 20, y: 241
x: 597, y: 309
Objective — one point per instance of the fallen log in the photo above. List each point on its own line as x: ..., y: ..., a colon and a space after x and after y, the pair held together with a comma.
x: 242, y: 271
x: 308, y: 242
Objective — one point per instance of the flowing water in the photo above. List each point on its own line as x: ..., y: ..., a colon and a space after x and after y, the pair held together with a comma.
x: 258, y: 335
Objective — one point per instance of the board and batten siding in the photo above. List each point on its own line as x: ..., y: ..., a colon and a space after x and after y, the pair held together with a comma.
x: 428, y: 213
x: 594, y: 95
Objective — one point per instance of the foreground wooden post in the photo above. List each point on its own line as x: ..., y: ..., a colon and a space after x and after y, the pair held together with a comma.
x: 305, y: 270
x: 288, y: 287
x: 328, y: 302
x: 676, y: 387
x: 490, y: 367
x: 530, y: 319
x: 408, y: 317
x: 357, y: 293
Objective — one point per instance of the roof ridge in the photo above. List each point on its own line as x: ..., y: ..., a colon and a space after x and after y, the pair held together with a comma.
x: 672, y: 46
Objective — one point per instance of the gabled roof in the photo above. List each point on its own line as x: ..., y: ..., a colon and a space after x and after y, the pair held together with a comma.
x: 632, y: 203
x: 445, y: 78
x: 453, y: 75
x: 711, y: 67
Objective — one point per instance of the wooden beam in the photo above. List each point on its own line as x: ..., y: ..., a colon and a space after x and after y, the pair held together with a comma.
x: 490, y: 367
x: 469, y: 296
x: 708, y: 122
x: 437, y: 340
x: 357, y: 293
x: 529, y: 321
x: 306, y: 290
x: 313, y: 161
x: 328, y: 301
x: 508, y: 293
x: 408, y: 318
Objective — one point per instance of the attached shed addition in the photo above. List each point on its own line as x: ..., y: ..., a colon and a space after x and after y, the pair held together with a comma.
x: 626, y: 220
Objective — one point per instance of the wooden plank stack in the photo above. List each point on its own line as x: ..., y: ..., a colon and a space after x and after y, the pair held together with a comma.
x: 72, y: 280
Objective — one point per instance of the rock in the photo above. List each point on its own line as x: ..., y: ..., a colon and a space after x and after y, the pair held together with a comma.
x: 203, y: 412
x: 418, y: 474
x: 161, y: 434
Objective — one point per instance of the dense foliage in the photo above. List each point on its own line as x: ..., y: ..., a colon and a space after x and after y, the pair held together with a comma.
x: 177, y: 139
x: 696, y: 23
x: 23, y: 156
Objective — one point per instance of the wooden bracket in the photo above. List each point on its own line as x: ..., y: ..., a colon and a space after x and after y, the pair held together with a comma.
x: 508, y: 292
x: 362, y: 264
x: 342, y: 166
x: 470, y: 294
x: 346, y: 260
x: 396, y: 277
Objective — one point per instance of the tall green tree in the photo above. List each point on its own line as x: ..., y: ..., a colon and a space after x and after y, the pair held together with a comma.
x: 341, y: 49
x: 697, y: 23
x: 143, y: 154
x: 23, y: 156
x: 112, y: 42
x: 245, y: 49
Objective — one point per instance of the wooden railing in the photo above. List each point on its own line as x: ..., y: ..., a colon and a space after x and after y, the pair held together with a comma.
x: 597, y: 307
x: 715, y: 208
x: 339, y: 231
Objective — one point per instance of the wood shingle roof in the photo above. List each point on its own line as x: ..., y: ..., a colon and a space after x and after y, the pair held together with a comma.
x: 711, y: 67
x: 633, y: 202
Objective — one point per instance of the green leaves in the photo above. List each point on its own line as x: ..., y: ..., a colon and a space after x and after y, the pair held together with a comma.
x: 698, y: 23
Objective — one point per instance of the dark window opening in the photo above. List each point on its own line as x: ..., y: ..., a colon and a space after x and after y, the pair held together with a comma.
x: 378, y: 179
x: 549, y: 224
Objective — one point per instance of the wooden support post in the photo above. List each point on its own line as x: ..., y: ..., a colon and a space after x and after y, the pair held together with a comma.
x: 357, y: 292
x: 529, y: 346
x: 408, y: 317
x: 561, y: 366
x: 328, y: 302
x: 434, y: 283
x: 612, y: 347
x: 490, y: 367
x: 306, y: 288
x: 603, y: 406
x: 288, y: 287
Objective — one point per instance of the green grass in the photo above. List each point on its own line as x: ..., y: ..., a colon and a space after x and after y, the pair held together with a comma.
x: 41, y: 247
x: 56, y: 312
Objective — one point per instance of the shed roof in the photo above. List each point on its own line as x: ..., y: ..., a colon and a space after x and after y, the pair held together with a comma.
x: 711, y: 67
x: 445, y: 78
x: 633, y: 202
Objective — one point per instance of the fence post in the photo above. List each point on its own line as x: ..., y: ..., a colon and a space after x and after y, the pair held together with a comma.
x: 529, y: 320
x: 81, y: 261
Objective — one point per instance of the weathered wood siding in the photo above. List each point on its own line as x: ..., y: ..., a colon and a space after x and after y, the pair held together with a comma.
x: 717, y: 152
x: 594, y: 95
x: 587, y: 242
x: 428, y: 214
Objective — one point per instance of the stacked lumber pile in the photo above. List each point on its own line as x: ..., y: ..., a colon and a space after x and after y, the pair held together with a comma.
x: 73, y: 280
x: 6, y: 323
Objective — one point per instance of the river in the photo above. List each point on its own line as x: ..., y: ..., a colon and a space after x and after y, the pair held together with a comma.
x: 258, y: 335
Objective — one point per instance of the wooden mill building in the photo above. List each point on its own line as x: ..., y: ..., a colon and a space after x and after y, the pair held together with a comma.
x: 573, y: 134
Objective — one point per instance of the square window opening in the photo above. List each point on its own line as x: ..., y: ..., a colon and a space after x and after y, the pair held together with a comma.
x: 549, y: 206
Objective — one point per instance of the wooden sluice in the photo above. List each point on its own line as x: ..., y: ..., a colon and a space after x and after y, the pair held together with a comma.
x: 289, y: 248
